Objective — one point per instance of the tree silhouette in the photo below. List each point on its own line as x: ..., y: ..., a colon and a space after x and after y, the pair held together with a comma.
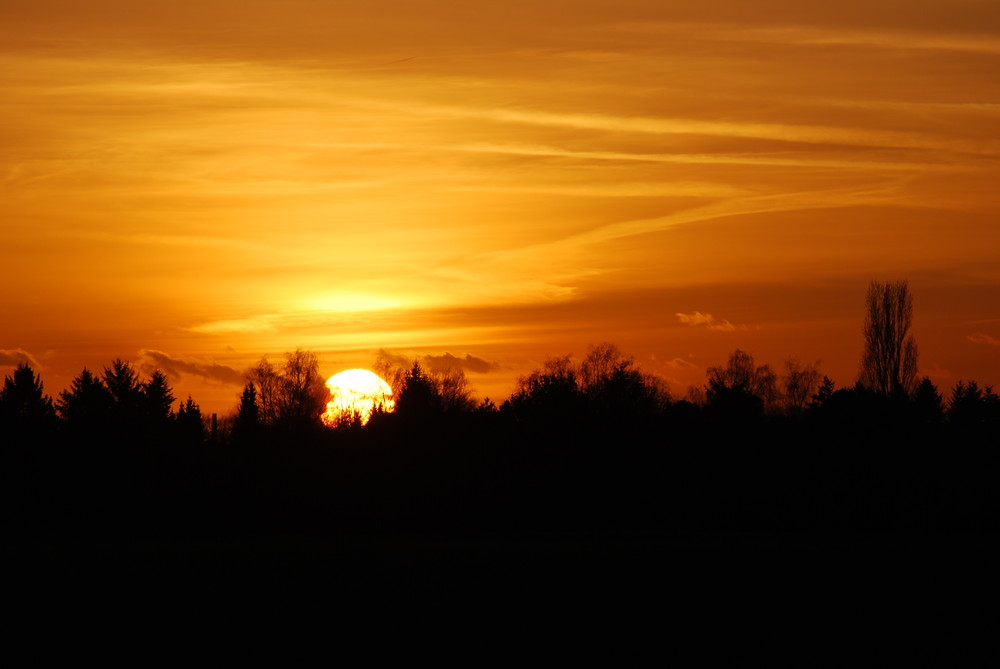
x: 122, y: 381
x: 304, y: 393
x: 601, y: 364
x: 889, y: 361
x: 157, y: 400
x: 928, y: 403
x: 972, y: 406
x: 190, y: 426
x: 85, y: 406
x: 24, y: 406
x: 800, y: 382
x: 741, y: 388
x: 822, y: 395
x: 246, y: 425
x: 419, y: 396
x: 265, y: 382
x: 616, y: 389
x: 551, y: 393
x: 444, y: 390
x: 292, y: 397
x: 453, y: 390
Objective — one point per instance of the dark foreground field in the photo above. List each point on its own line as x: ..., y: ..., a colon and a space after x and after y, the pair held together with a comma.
x: 527, y: 525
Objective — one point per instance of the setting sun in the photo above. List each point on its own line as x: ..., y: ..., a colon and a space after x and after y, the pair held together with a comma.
x: 356, y: 392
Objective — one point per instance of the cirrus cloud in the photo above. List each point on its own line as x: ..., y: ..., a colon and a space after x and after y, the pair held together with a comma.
x: 981, y: 338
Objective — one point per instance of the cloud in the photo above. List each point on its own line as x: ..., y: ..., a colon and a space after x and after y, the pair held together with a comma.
x: 698, y: 319
x: 14, y: 357
x: 174, y: 367
x: 643, y: 125
x: 441, y: 363
x: 397, y: 360
x: 251, y: 325
x: 709, y: 158
x: 980, y: 338
x: 680, y: 363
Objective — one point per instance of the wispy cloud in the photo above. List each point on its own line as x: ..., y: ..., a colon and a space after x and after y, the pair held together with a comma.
x: 645, y: 125
x: 680, y: 363
x: 174, y: 367
x: 14, y: 357
x: 980, y: 338
x: 709, y: 322
x: 710, y: 158
x: 561, y: 253
x: 199, y: 241
x: 882, y: 39
x: 812, y: 35
x: 249, y: 325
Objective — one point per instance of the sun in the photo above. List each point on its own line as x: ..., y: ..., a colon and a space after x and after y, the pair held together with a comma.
x: 356, y: 392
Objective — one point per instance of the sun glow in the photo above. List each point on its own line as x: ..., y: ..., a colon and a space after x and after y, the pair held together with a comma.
x: 356, y: 393
x: 350, y: 303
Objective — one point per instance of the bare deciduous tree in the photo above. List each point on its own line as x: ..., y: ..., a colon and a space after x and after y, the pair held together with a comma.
x: 602, y: 363
x: 741, y: 375
x: 295, y: 394
x: 800, y: 382
x: 455, y: 390
x: 889, y: 361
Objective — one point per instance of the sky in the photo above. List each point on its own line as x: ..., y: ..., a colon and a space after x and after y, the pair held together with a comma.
x: 193, y: 185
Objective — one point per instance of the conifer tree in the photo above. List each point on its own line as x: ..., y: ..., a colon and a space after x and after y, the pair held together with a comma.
x: 85, y: 405
x: 24, y: 406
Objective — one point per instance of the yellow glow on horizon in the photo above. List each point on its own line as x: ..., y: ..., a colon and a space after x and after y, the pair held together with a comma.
x: 350, y: 303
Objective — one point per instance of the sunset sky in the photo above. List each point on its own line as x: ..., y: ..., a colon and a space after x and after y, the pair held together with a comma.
x: 191, y: 185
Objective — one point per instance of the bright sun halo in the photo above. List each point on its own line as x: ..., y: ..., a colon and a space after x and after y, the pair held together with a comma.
x: 356, y: 391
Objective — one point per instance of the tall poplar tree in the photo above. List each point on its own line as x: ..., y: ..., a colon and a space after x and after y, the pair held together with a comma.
x: 889, y: 361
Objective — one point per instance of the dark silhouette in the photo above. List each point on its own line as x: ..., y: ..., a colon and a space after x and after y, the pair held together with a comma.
x: 157, y: 400
x: 87, y: 403
x: 973, y: 407
x: 800, y: 383
x: 889, y: 361
x: 292, y: 397
x: 419, y: 396
x: 549, y: 394
x: 741, y: 389
x: 122, y: 382
x: 25, y: 409
x: 445, y: 389
x: 190, y: 423
x: 246, y: 426
x: 928, y: 404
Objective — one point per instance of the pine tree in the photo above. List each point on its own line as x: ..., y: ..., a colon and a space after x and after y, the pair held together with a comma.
x: 122, y: 381
x: 25, y: 409
x: 247, y: 425
x: 190, y: 425
x: 86, y: 404
x: 157, y: 399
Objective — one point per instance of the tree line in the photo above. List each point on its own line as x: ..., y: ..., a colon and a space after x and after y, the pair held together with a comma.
x: 589, y: 445
x: 287, y: 399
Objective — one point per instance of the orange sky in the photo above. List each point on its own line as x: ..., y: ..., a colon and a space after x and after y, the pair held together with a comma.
x: 192, y: 185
